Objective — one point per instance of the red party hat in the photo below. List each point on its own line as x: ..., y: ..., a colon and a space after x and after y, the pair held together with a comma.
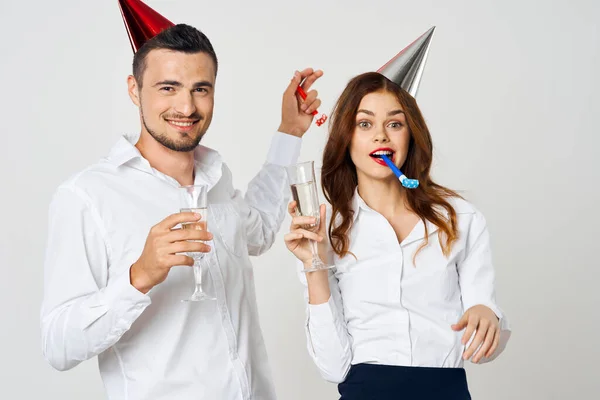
x: 142, y: 22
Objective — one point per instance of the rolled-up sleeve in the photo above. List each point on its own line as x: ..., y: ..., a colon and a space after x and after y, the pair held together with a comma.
x: 264, y: 206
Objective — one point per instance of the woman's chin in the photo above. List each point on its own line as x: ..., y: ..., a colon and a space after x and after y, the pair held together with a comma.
x: 378, y: 177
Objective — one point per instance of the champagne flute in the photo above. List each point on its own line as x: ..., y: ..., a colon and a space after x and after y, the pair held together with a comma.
x: 304, y: 191
x: 192, y: 198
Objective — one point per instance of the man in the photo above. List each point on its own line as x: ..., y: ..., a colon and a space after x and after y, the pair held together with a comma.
x: 114, y: 270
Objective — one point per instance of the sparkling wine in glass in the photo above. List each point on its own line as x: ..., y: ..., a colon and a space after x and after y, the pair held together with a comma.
x: 192, y: 198
x: 304, y: 191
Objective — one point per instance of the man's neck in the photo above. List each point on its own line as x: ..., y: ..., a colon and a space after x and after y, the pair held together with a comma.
x: 176, y: 164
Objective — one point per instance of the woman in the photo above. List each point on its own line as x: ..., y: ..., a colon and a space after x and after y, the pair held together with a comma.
x: 412, y: 293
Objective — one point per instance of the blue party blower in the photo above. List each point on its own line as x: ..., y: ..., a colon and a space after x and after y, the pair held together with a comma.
x: 406, y: 182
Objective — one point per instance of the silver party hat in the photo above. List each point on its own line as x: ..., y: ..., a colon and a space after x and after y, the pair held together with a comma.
x: 406, y: 68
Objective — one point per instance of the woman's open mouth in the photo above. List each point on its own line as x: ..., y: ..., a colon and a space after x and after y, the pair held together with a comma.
x: 376, y: 155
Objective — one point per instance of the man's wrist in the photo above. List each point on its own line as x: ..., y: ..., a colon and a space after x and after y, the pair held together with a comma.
x: 138, y: 279
x: 294, y: 131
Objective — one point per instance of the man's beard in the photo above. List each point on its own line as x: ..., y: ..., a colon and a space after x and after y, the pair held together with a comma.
x: 185, y: 146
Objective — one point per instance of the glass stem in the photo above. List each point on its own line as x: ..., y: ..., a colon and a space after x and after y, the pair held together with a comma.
x: 198, y: 274
x: 315, y: 252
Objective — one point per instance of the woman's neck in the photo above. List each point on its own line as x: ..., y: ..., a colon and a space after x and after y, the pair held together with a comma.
x: 387, y: 197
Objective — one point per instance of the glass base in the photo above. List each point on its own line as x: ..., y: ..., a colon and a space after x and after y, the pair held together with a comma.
x: 199, y: 296
x: 317, y: 266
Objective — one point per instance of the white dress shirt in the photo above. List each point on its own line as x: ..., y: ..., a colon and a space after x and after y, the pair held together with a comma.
x: 153, y: 346
x: 386, y: 310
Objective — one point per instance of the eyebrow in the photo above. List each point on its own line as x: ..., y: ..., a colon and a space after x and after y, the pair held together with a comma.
x: 179, y: 84
x: 390, y: 114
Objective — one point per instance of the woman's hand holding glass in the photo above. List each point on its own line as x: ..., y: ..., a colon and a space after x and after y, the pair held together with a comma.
x: 302, y: 231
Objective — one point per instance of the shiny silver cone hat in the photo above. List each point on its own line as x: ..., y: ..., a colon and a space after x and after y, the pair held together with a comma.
x: 406, y: 68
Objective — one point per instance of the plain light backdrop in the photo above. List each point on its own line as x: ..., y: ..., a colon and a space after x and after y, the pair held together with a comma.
x: 510, y: 93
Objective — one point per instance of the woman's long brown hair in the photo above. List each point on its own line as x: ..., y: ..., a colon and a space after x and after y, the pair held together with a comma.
x: 339, y: 179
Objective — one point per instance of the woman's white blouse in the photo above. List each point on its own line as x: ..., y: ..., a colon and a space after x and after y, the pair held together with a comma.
x: 385, y: 309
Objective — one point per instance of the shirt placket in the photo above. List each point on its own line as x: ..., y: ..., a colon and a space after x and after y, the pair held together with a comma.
x: 220, y: 294
x: 406, y: 314
x: 397, y: 261
x: 221, y: 299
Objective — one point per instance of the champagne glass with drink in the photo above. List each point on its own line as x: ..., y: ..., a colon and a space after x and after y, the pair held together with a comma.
x: 192, y: 198
x: 304, y: 191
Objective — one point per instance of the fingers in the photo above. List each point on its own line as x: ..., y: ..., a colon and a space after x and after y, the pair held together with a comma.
x: 481, y: 329
x: 178, y: 235
x: 310, y: 77
x: 175, y: 219
x: 307, y: 78
x: 180, y: 259
x: 310, y: 107
x: 305, y: 73
x: 311, y: 97
x: 292, y: 236
x: 487, y: 344
x: 294, y: 243
x: 188, y: 247
x: 291, y: 240
x: 294, y: 83
x: 492, y: 349
x: 322, y: 221
x: 462, y: 323
x: 307, y: 235
x: 292, y: 208
x: 300, y: 222
x: 472, y: 325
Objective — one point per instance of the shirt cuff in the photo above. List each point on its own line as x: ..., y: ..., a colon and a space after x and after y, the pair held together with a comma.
x: 284, y: 150
x: 120, y: 293
x: 118, y: 296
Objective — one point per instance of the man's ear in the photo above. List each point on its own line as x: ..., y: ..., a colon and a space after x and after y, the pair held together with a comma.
x: 133, y: 90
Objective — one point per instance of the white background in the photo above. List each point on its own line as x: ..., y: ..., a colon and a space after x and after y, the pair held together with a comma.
x: 510, y: 93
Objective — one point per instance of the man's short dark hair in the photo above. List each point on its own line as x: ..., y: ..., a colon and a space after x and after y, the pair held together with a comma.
x: 181, y: 37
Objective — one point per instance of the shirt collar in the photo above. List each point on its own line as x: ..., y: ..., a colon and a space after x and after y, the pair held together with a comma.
x: 209, y: 166
x: 123, y: 151
x: 418, y: 232
x: 208, y: 162
x: 357, y: 204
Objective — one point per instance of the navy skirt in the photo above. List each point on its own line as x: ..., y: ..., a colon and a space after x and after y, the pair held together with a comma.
x: 385, y: 382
